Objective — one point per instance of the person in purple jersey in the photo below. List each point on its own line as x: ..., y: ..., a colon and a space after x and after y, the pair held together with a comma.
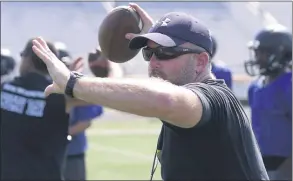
x: 220, y: 71
x: 270, y: 99
x: 80, y: 119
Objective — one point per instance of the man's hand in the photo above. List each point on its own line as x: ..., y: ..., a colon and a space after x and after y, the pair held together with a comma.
x: 57, y: 70
x: 146, y: 20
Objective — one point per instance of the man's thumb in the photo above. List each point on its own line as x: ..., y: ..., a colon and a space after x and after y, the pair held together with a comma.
x: 129, y: 36
x: 51, y: 89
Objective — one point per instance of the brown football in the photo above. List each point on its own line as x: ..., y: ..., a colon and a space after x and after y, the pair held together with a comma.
x: 120, y: 21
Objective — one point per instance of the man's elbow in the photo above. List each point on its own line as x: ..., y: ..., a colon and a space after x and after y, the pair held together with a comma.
x: 165, y: 106
x: 157, y: 107
x: 181, y: 111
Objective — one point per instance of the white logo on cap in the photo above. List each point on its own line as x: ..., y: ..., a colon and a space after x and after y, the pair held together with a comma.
x: 165, y: 22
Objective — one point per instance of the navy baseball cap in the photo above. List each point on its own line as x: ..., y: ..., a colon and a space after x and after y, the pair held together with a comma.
x: 174, y: 29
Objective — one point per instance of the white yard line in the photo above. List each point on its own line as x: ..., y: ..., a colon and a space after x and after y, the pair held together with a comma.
x: 127, y: 153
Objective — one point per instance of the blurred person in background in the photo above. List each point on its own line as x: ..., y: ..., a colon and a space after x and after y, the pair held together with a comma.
x: 63, y: 54
x: 80, y: 119
x: 218, y: 67
x: 270, y: 98
x: 8, y: 65
x: 34, y: 127
x: 100, y: 66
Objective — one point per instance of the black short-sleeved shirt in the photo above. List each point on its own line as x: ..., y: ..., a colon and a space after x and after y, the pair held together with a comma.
x: 221, y: 146
x: 33, y: 130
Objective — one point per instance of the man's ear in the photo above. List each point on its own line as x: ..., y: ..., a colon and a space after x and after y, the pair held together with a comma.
x: 203, y: 59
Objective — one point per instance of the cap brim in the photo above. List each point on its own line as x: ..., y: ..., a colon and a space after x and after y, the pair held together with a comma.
x: 159, y: 38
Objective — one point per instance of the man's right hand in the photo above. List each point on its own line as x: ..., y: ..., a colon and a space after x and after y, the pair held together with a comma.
x: 145, y: 18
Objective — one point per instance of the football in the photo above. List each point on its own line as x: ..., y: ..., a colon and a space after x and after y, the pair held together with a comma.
x: 120, y: 21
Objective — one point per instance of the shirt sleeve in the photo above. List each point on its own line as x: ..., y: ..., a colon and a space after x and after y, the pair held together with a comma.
x: 213, y: 99
x: 229, y: 79
x: 86, y: 113
x: 201, y: 91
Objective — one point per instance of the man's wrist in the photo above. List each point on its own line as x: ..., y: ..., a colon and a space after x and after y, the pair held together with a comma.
x: 146, y: 29
x: 74, y: 77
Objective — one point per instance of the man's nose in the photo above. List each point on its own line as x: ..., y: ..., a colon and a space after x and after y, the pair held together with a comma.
x: 154, y: 62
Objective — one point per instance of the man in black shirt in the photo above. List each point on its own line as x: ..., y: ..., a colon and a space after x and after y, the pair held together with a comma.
x: 34, y: 127
x: 7, y: 65
x: 206, y: 134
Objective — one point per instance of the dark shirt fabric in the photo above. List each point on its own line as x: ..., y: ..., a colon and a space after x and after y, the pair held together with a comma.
x: 221, y: 146
x: 34, y: 130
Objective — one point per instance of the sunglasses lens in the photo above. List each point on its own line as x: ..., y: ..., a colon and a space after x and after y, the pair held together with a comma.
x: 161, y: 53
x: 147, y: 54
x: 165, y: 55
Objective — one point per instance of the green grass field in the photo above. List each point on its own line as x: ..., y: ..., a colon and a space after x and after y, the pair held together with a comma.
x: 122, y: 150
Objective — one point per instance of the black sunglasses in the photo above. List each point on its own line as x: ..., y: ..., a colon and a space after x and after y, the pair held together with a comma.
x: 166, y: 53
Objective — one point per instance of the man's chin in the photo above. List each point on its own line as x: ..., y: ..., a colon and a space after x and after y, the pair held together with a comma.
x: 157, y: 76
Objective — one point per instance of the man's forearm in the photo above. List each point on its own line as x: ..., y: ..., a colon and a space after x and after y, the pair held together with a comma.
x: 79, y: 127
x: 144, y: 97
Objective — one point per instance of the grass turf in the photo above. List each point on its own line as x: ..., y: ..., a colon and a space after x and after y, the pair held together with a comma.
x: 122, y: 150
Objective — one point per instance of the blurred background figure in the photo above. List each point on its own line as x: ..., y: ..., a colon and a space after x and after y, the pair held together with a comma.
x: 33, y: 127
x: 270, y: 98
x: 8, y: 64
x: 63, y: 54
x: 219, y: 69
x: 80, y: 119
x: 100, y: 66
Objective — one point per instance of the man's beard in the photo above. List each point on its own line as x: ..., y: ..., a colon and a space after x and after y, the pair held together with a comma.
x: 157, y: 74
